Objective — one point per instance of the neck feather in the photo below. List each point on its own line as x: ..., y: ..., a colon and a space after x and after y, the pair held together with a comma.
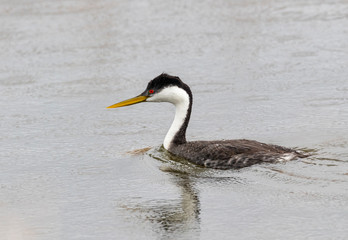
x: 176, y: 134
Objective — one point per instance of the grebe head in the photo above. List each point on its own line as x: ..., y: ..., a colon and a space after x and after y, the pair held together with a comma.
x: 163, y: 88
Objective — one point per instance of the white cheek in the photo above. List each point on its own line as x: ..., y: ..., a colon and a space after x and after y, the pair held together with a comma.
x: 156, y: 98
x: 170, y: 94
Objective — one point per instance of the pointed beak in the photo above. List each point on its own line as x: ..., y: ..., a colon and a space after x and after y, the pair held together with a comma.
x: 130, y: 101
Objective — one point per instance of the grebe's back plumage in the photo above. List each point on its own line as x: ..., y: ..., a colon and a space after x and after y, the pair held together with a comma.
x: 223, y: 154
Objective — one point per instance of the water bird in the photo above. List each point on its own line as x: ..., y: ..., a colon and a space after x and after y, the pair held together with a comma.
x: 219, y: 154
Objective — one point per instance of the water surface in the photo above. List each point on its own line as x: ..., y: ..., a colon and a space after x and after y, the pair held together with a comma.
x: 273, y: 71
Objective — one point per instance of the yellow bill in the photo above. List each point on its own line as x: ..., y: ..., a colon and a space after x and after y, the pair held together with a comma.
x: 130, y: 101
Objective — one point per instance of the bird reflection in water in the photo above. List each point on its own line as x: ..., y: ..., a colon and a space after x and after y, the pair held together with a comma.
x: 182, y: 216
x: 171, y: 217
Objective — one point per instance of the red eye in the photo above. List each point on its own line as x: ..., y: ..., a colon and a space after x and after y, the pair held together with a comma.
x: 151, y: 91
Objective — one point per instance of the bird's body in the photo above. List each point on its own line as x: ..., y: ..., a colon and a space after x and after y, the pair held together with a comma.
x: 226, y: 154
x: 220, y: 154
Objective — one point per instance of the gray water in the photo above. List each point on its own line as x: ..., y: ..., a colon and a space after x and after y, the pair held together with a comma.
x: 273, y: 71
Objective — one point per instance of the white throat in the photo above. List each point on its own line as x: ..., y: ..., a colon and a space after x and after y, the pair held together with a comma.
x: 181, y: 100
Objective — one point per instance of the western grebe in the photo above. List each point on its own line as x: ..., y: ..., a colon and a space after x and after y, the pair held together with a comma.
x: 221, y: 154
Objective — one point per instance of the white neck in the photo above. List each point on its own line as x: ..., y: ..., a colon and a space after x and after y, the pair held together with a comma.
x: 181, y: 100
x: 180, y: 115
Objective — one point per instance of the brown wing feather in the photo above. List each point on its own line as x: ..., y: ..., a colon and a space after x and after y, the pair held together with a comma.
x: 230, y: 153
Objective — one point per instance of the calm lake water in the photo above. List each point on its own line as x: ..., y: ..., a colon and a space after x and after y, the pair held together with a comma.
x: 273, y: 71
